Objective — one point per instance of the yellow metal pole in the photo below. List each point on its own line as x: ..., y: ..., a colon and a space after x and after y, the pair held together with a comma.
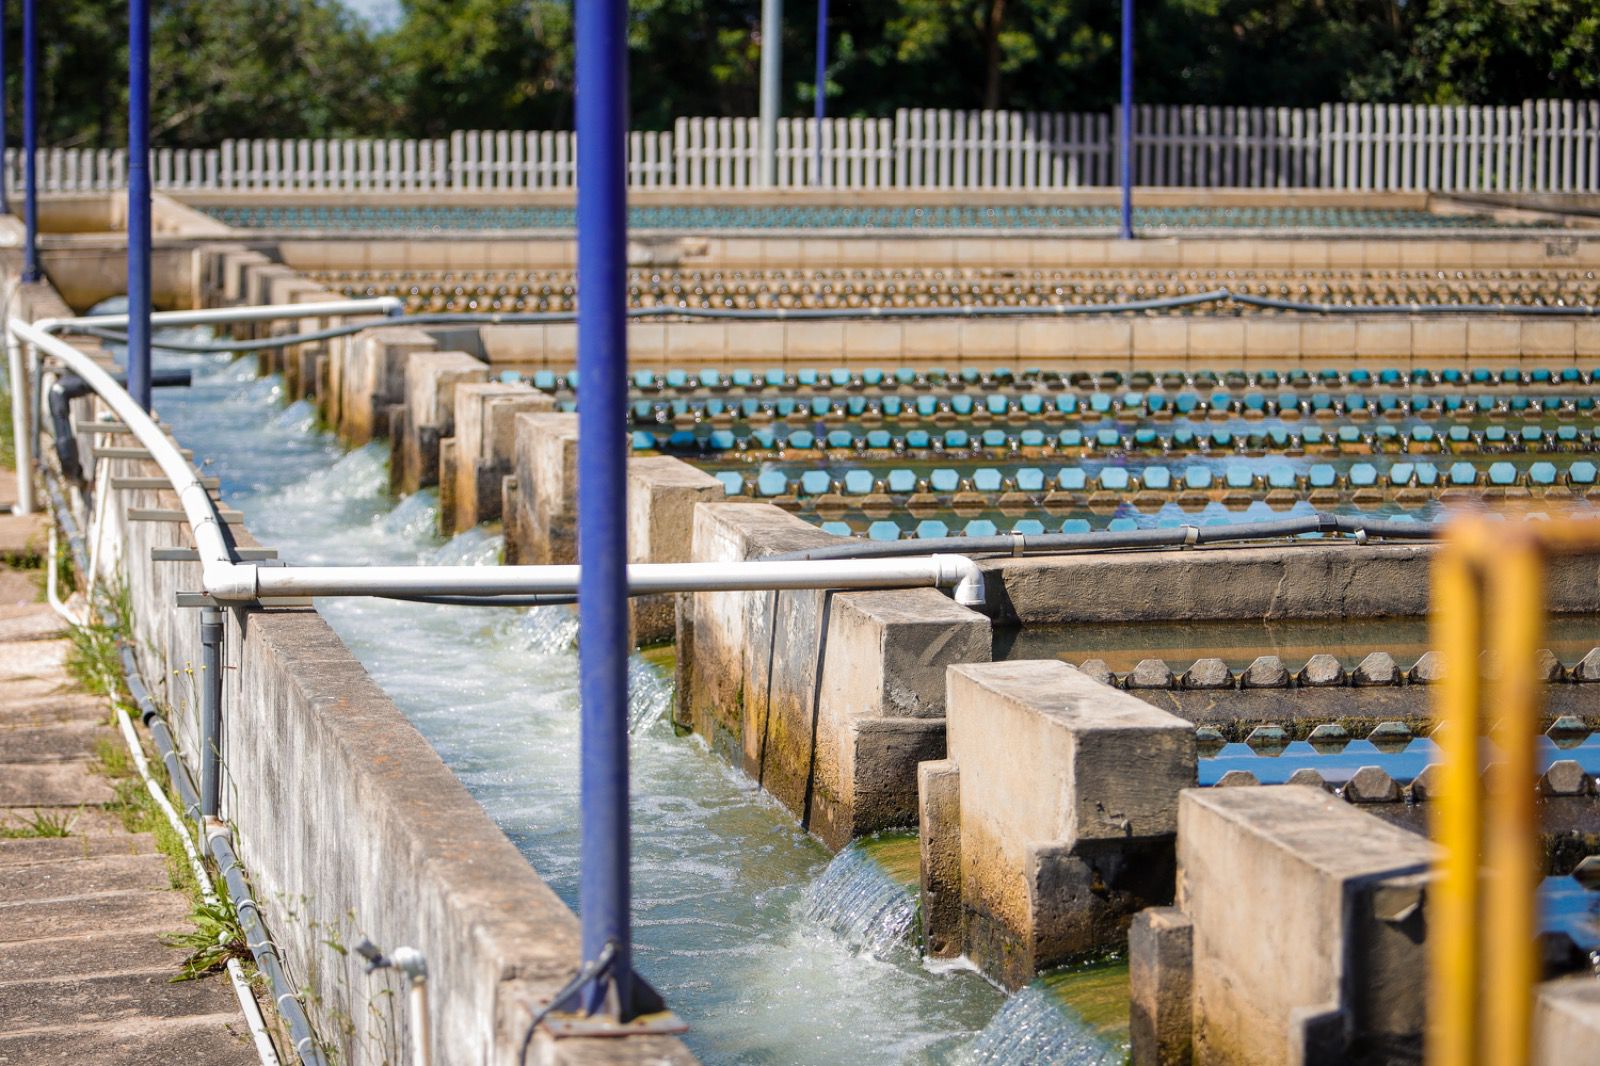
x: 1515, y: 595
x: 1453, y: 940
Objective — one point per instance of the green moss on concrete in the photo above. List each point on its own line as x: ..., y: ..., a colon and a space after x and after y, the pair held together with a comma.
x: 1096, y: 992
x: 899, y: 853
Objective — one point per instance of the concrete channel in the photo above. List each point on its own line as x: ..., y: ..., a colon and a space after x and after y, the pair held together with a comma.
x: 1206, y: 811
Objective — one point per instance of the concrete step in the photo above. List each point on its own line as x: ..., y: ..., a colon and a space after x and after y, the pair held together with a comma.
x: 72, y: 1000
x: 75, y: 878
x: 89, y: 955
x: 84, y: 822
x: 108, y: 913
x: 69, y: 783
x: 46, y: 704
x: 218, y: 1039
x: 30, y: 621
x: 80, y: 845
x: 22, y: 534
x: 33, y: 659
x: 77, y: 740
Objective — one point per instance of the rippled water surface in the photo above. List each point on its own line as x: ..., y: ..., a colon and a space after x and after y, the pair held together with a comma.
x: 740, y: 921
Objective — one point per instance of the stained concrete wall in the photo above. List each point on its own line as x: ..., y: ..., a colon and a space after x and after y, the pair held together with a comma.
x: 1066, y: 806
x: 485, y: 445
x: 828, y: 699
x: 662, y: 494
x: 1306, y: 929
x: 543, y: 526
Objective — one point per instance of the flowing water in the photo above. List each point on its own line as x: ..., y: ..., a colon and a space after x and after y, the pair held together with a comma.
x: 771, y: 953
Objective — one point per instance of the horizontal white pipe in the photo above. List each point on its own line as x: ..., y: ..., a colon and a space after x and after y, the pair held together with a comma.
x: 378, y: 305
x: 643, y: 578
x: 222, y: 577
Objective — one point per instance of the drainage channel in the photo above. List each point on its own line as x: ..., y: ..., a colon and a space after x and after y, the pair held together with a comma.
x: 772, y: 952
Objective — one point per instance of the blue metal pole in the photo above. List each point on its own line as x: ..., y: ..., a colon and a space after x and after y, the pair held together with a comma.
x: 822, y: 79
x: 603, y: 645
x: 30, y: 139
x: 5, y: 171
x: 139, y: 202
x: 1125, y: 121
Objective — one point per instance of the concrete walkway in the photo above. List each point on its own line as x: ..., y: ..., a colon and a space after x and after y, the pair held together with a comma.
x: 83, y: 972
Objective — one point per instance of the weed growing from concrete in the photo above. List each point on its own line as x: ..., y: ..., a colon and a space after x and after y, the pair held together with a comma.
x: 45, y: 825
x: 216, y: 938
x: 94, y: 660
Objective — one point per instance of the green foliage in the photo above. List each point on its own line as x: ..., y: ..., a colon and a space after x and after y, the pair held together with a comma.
x: 216, y: 937
x: 308, y: 68
x: 45, y: 824
x: 94, y: 660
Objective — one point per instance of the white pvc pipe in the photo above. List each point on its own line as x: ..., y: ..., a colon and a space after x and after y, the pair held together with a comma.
x: 21, y: 407
x: 233, y: 582
x: 205, y: 316
x: 643, y: 578
x: 51, y: 592
x: 222, y: 577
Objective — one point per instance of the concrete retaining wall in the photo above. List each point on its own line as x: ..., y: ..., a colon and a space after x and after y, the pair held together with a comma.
x: 350, y: 826
x: 828, y: 699
x: 1065, y: 803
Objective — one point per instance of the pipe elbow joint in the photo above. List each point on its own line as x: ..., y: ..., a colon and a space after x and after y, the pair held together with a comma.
x: 965, y: 575
x: 230, y: 582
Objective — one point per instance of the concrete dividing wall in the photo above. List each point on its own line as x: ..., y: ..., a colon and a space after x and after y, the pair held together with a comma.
x: 1200, y: 341
x: 1300, y: 923
x: 662, y: 494
x: 828, y: 699
x: 1053, y: 812
x: 542, y: 527
x: 349, y: 825
x: 428, y: 415
x: 485, y: 444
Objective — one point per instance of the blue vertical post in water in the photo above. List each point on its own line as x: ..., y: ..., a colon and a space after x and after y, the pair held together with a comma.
x: 139, y: 202
x: 821, y: 110
x: 30, y: 139
x: 1125, y: 122
x: 602, y: 113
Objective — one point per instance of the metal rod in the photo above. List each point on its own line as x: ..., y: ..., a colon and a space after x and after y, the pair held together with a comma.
x: 1125, y: 123
x: 771, y: 87
x: 210, y: 316
x: 820, y: 110
x: 139, y: 202
x: 210, y: 712
x: 603, y: 644
x: 30, y: 140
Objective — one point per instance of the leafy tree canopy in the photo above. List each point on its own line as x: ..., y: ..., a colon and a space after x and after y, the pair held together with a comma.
x: 308, y: 68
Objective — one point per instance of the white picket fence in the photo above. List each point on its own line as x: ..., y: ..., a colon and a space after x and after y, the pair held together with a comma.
x: 1539, y: 146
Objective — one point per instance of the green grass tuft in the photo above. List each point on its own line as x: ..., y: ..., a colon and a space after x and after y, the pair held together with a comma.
x: 45, y: 825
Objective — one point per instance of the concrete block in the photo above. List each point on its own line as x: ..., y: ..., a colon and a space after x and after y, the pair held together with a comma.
x: 662, y: 493
x: 1271, y: 338
x: 371, y: 372
x: 1216, y: 342
x: 545, y: 465
x: 1161, y: 987
x: 1438, y: 338
x: 485, y: 436
x: 1160, y: 339
x: 866, y: 343
x: 1097, y: 338
x: 881, y: 705
x: 1324, y: 339
x: 939, y: 838
x: 431, y: 380
x: 1382, y: 338
x: 1548, y: 339
x: 1566, y: 1021
x: 1048, y: 873
x: 1494, y: 338
x: 1304, y: 910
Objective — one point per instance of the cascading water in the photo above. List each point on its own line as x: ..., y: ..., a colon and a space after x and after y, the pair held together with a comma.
x: 765, y: 969
x: 857, y: 900
x: 1036, y: 1027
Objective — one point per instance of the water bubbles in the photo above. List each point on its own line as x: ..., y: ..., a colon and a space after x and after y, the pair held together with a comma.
x: 1035, y: 1029
x: 649, y: 695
